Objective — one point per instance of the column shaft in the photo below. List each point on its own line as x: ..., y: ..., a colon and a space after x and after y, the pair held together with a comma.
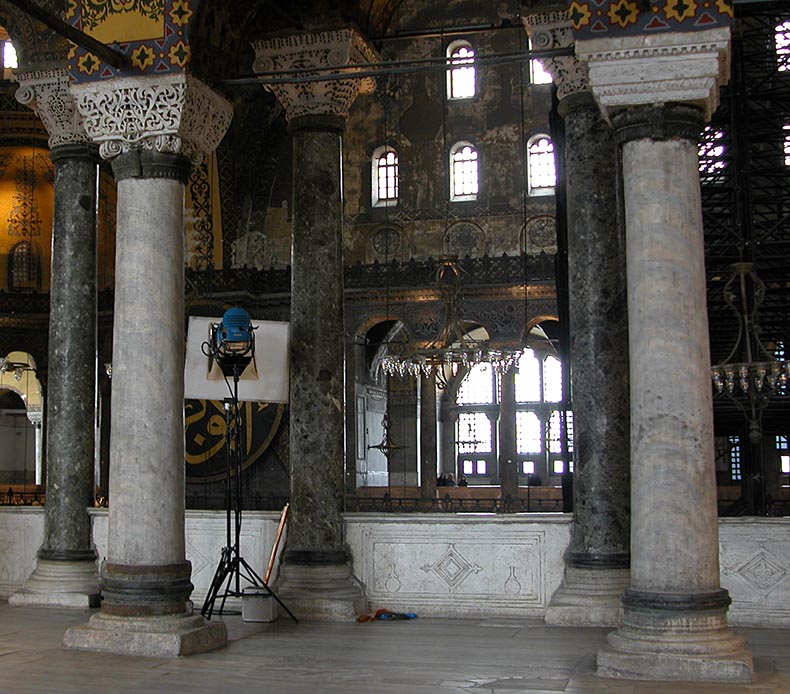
x: 599, y: 339
x: 147, y: 445
x: 428, y: 439
x: 674, y: 486
x: 72, y: 356
x: 315, y: 523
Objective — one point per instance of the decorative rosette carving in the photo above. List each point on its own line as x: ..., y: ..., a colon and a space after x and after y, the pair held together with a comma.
x: 174, y: 114
x: 553, y: 30
x: 336, y: 51
x: 47, y: 93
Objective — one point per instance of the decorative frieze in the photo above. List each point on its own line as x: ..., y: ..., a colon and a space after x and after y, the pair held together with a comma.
x: 302, y: 56
x: 550, y: 30
x: 47, y: 93
x: 171, y: 114
x: 684, y: 67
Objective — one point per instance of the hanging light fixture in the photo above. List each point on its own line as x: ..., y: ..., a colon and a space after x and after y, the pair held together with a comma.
x: 750, y: 375
x: 453, y: 348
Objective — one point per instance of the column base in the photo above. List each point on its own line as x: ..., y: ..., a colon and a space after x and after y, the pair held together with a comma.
x: 55, y: 583
x: 589, y: 598
x: 166, y: 636
x: 676, y: 645
x: 321, y: 592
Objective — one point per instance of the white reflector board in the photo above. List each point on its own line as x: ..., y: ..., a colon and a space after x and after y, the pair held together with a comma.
x: 265, y: 379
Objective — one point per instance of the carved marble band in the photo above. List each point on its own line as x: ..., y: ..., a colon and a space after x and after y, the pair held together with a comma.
x: 170, y: 114
x: 144, y: 163
x: 658, y: 122
x: 134, y: 591
x: 336, y: 51
x: 716, y: 600
x: 47, y: 93
x: 672, y: 67
x: 584, y: 560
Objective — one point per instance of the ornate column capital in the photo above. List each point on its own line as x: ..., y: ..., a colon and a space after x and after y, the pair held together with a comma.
x: 47, y: 93
x: 553, y: 30
x: 681, y: 67
x: 167, y: 114
x: 337, y: 51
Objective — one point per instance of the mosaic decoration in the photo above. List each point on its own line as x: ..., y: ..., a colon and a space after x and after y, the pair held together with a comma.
x: 151, y: 33
x: 598, y: 18
x: 203, y: 221
x: 24, y: 218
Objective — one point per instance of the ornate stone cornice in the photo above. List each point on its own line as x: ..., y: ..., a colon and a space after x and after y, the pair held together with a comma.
x: 680, y: 67
x: 335, y: 51
x: 169, y: 114
x: 553, y: 30
x: 47, y: 93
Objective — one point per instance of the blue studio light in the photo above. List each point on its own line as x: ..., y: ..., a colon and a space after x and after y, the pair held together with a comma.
x: 234, y: 334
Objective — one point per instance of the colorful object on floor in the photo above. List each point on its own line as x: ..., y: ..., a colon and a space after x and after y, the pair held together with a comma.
x: 385, y: 615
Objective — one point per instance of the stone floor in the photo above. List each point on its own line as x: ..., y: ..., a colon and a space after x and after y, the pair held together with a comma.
x: 423, y: 656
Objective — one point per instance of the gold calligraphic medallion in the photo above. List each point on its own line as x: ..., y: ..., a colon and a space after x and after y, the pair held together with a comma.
x: 206, y: 429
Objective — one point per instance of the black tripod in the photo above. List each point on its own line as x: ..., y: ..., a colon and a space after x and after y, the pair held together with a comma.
x: 232, y: 566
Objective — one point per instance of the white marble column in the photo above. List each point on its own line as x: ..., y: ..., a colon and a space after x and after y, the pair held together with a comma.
x: 145, y: 579
x: 315, y: 580
x: 65, y: 574
x: 675, y: 612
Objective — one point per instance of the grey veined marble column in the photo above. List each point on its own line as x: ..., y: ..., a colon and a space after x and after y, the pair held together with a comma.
x: 596, y: 564
x: 145, y: 579
x: 65, y: 574
x: 315, y: 578
x: 675, y: 612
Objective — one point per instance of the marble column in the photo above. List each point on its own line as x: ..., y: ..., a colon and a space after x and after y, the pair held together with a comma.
x: 508, y: 455
x: 145, y: 579
x: 315, y: 579
x: 65, y: 574
x: 428, y: 440
x: 674, y: 612
x: 597, y: 561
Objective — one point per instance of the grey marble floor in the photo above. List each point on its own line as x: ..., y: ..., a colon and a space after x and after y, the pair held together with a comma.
x: 423, y: 656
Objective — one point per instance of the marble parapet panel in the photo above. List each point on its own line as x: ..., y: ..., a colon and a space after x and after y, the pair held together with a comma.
x: 444, y: 565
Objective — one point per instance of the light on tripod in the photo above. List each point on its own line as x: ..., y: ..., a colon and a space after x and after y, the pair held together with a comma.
x: 233, y: 337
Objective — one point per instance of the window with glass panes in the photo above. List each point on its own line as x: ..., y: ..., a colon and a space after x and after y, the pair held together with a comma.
x: 463, y: 172
x: 475, y: 431
x: 461, y: 76
x: 385, y: 176
x: 542, y: 426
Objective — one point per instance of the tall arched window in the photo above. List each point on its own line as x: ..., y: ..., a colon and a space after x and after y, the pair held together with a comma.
x: 461, y: 75
x: 384, y: 168
x: 541, y: 171
x: 463, y: 172
x: 24, y: 267
x: 475, y: 428
x: 782, y: 45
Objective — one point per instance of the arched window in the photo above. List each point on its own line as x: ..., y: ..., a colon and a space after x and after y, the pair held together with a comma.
x: 384, y: 168
x: 24, y: 267
x: 461, y: 75
x: 787, y: 144
x: 541, y: 171
x: 537, y: 73
x: 463, y: 172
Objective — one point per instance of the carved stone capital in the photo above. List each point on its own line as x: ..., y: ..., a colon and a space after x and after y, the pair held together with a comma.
x: 47, y: 93
x: 330, y: 51
x: 553, y: 30
x: 680, y: 67
x: 169, y: 114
